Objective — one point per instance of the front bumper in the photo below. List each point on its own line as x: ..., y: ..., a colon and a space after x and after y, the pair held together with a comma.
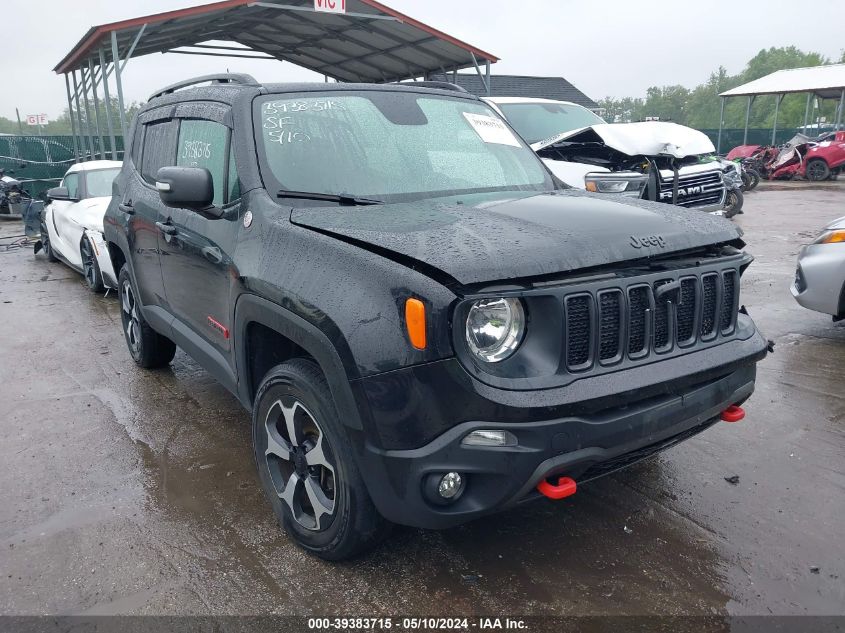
x: 820, y: 278
x: 582, y: 440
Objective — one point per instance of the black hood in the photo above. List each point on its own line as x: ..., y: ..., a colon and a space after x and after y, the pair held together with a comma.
x: 520, y: 237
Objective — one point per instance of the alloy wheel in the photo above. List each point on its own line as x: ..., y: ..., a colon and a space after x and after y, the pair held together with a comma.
x: 129, y: 316
x: 299, y: 461
x: 817, y: 170
x: 88, y: 263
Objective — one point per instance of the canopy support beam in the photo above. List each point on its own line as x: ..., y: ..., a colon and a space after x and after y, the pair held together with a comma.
x: 485, y: 79
x: 747, y: 117
x: 88, y: 120
x: 807, y: 111
x: 96, y: 109
x: 721, y: 123
x: 82, y: 141
x: 72, y: 120
x: 777, y: 109
x: 107, y: 95
x: 841, y: 107
x: 118, y: 76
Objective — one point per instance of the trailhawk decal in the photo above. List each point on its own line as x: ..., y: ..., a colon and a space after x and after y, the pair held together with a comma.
x: 222, y: 329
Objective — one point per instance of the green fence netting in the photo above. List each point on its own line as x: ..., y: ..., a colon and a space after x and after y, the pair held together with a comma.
x: 732, y: 137
x: 39, y: 162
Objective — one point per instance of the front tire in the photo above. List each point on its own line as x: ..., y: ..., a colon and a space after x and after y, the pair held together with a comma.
x: 733, y: 203
x: 148, y: 348
x: 305, y: 465
x: 90, y: 267
x: 45, y: 244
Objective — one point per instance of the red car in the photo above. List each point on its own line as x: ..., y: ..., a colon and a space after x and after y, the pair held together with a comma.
x: 817, y: 159
x: 825, y: 158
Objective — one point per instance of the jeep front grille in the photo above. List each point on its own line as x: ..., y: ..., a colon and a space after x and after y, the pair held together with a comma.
x: 694, y: 190
x: 605, y: 325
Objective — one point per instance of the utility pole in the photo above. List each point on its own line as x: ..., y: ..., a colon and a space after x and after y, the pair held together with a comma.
x: 20, y: 125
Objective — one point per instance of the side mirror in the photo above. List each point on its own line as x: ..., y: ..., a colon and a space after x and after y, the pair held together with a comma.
x: 187, y: 188
x: 59, y: 193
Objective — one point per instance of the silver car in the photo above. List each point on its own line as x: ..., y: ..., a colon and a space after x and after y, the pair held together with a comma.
x: 820, y: 279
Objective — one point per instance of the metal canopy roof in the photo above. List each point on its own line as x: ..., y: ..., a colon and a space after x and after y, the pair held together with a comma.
x: 827, y: 82
x: 369, y: 43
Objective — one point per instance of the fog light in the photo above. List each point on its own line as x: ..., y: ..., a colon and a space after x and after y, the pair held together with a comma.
x: 450, y: 485
x: 489, y: 438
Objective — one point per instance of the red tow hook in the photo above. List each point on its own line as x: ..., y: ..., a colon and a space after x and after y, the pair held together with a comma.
x: 733, y: 414
x: 566, y: 487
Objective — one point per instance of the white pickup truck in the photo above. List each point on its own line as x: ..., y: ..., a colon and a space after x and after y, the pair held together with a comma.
x: 652, y: 160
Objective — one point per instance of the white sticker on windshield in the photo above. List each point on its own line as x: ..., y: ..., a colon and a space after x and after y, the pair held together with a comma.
x: 491, y: 129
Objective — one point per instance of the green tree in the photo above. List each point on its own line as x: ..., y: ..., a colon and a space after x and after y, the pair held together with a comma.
x: 699, y: 106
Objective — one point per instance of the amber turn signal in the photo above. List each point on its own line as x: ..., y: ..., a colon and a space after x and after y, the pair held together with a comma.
x: 415, y: 322
x: 832, y: 237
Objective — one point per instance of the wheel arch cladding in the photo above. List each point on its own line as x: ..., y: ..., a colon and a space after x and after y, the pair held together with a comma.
x: 117, y: 256
x: 259, y: 321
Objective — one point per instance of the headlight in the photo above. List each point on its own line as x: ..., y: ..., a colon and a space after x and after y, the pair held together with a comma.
x: 626, y: 183
x: 495, y: 328
x: 831, y: 237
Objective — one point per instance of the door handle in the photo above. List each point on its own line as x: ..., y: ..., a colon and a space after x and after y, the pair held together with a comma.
x: 127, y: 208
x: 169, y: 229
x: 213, y: 254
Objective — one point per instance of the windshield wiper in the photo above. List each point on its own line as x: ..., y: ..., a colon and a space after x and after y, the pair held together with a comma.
x: 340, y: 198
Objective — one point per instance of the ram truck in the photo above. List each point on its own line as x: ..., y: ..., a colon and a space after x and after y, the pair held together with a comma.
x: 653, y: 160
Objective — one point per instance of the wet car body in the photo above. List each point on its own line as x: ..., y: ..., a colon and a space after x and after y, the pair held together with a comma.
x: 264, y: 281
x: 820, y: 277
x: 72, y: 226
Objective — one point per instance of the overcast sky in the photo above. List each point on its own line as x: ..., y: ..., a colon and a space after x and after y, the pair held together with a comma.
x: 617, y: 48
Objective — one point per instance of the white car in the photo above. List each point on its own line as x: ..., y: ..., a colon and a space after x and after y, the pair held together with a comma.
x: 655, y: 160
x: 72, y: 226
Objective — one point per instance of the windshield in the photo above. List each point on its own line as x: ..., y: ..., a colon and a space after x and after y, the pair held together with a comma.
x: 98, y: 183
x: 538, y: 121
x: 391, y: 146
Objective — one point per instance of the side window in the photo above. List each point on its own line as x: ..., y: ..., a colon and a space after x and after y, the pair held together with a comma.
x: 234, y: 183
x: 159, y: 148
x: 136, y: 144
x: 204, y: 144
x: 71, y: 181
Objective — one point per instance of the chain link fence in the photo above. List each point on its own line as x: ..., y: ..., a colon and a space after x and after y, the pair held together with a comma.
x: 732, y: 137
x: 39, y: 162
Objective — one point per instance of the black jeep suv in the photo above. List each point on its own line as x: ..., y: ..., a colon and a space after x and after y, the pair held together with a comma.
x: 425, y: 325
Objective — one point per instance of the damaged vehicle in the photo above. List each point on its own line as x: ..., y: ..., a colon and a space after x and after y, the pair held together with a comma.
x: 816, y: 159
x: 72, y: 223
x: 654, y: 160
x: 426, y: 327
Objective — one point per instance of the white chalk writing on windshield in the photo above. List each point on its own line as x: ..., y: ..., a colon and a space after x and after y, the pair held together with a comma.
x: 284, y: 107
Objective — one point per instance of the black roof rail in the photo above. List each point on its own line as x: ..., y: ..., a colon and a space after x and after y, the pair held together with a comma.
x: 442, y: 85
x: 241, y: 79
